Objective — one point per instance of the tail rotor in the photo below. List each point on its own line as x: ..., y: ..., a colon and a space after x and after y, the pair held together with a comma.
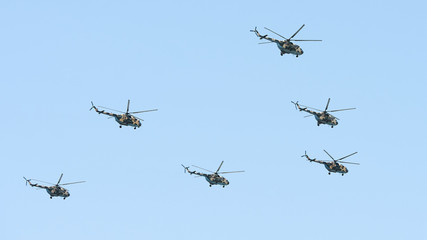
x: 92, y: 106
x: 258, y: 35
x: 296, y: 104
x: 26, y: 181
x: 305, y: 154
x: 185, y: 168
x: 308, y: 158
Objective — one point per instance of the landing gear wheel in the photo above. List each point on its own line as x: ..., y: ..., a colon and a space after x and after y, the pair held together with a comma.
x: 318, y: 124
x: 329, y: 173
x: 64, y: 198
x: 281, y: 54
x: 332, y: 126
x: 50, y: 197
x: 297, y: 55
x: 210, y: 185
x: 342, y: 174
x: 120, y: 126
x: 134, y: 128
x: 223, y: 186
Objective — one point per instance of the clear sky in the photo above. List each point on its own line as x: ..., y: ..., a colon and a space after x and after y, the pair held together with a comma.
x: 221, y: 97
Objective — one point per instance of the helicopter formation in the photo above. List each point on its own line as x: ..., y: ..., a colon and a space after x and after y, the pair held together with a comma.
x: 127, y: 118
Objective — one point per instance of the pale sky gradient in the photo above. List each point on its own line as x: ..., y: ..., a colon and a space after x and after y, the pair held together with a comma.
x: 221, y: 96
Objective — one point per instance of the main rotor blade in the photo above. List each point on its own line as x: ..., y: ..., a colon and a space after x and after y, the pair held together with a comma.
x: 327, y: 105
x: 143, y: 119
x: 230, y: 172
x: 152, y: 110
x: 329, y: 154
x: 202, y: 168
x: 350, y: 163
x: 342, y: 109
x: 308, y: 116
x: 310, y: 107
x: 276, y: 33
x: 60, y: 179
x: 111, y: 109
x: 297, y: 32
x: 304, y: 40
x: 127, y: 110
x: 36, y: 180
x: 219, y: 167
x: 72, y: 183
x: 334, y: 116
x: 346, y: 156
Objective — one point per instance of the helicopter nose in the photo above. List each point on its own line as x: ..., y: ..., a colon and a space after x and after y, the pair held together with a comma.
x: 302, y: 51
x: 227, y: 182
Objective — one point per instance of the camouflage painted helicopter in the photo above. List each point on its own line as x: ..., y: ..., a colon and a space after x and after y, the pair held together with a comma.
x: 54, y: 191
x: 322, y: 117
x: 334, y: 166
x: 126, y: 119
x: 286, y: 46
x: 214, y: 178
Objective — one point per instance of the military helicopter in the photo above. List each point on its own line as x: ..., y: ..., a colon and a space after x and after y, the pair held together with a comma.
x: 322, y: 117
x: 214, y: 178
x: 126, y: 119
x: 333, y: 166
x: 286, y: 46
x: 54, y: 191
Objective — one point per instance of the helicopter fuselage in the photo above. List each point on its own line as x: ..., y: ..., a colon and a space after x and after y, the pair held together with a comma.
x: 331, y: 166
x: 325, y: 118
x: 56, y: 191
x: 127, y: 120
x: 335, y: 167
x: 215, y: 179
x: 289, y: 48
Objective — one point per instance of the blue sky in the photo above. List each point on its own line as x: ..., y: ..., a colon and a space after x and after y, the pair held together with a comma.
x: 221, y: 97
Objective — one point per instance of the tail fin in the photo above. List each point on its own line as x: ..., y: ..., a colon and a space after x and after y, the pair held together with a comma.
x: 93, y: 106
x: 257, y: 33
x: 308, y: 158
x: 185, y: 168
x: 96, y: 109
x: 27, y: 181
x: 296, y: 105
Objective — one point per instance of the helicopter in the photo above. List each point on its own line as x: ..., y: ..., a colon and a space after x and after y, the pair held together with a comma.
x: 214, y: 178
x: 54, y: 191
x: 322, y: 117
x: 334, y: 166
x: 286, y: 46
x: 126, y: 119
